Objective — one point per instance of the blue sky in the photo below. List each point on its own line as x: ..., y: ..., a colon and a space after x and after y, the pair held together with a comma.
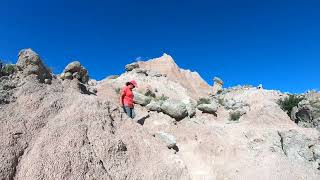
x: 275, y: 43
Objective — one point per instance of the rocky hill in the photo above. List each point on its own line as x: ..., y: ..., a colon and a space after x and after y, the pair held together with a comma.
x: 69, y: 126
x: 192, y: 81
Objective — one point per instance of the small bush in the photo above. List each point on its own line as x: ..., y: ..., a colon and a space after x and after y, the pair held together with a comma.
x: 203, y: 101
x: 8, y: 69
x: 117, y: 90
x: 290, y: 102
x: 150, y: 93
x: 234, y: 116
x: 221, y: 101
x: 162, y: 98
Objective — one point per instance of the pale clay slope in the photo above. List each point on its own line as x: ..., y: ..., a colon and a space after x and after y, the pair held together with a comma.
x: 192, y: 81
x: 215, y: 149
x: 55, y: 132
x: 58, y: 132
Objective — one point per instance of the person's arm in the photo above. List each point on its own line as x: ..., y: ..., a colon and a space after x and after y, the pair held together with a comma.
x: 122, y: 94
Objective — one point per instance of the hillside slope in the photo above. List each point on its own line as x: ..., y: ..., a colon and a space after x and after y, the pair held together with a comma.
x: 61, y: 127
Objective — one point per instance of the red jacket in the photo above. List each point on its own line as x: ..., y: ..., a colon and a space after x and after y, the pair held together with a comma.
x: 127, y: 97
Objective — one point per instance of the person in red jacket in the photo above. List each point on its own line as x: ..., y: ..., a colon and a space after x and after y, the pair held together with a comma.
x: 126, y: 98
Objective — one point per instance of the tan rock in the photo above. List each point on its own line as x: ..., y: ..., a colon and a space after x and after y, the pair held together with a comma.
x: 192, y: 81
x: 217, y: 86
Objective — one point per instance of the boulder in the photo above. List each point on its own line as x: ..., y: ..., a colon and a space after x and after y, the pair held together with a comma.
x: 154, y: 106
x: 169, y: 139
x: 307, y: 113
x: 75, y: 70
x: 132, y: 66
x: 30, y: 63
x: 211, y: 108
x: 141, y: 99
x: 73, y: 67
x: 175, y: 109
x: 191, y: 107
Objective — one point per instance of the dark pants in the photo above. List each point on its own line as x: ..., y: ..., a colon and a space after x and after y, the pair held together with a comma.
x: 129, y: 111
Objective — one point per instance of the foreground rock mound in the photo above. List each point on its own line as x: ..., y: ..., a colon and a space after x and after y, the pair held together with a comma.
x: 58, y: 131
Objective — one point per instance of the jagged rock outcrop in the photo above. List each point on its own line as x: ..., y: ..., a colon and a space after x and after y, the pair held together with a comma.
x: 30, y: 63
x: 217, y: 86
x: 192, y: 81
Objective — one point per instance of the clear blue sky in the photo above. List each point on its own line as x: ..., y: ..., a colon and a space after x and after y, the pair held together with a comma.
x: 275, y: 42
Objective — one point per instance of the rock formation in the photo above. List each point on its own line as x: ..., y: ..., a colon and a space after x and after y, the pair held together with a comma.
x: 217, y: 86
x: 75, y: 70
x: 30, y: 63
x: 61, y: 131
x: 192, y: 81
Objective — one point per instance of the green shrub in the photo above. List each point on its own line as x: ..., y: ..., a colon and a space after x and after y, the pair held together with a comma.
x: 221, y: 101
x: 203, y: 101
x: 8, y: 69
x: 289, y: 102
x: 234, y: 116
x: 150, y: 93
x: 162, y: 98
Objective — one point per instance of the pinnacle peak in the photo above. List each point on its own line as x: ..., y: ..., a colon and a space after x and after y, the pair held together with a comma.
x: 166, y: 57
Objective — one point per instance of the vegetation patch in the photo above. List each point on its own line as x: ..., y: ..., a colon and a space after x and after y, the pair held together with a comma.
x: 234, y: 116
x: 290, y: 102
x: 203, y: 101
x: 8, y: 69
x: 162, y: 98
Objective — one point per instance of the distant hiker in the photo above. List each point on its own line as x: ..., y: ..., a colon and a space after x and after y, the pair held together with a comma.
x: 126, y: 98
